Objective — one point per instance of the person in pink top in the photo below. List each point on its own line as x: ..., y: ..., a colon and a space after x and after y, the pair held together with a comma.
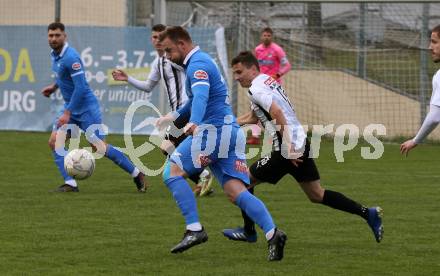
x: 273, y: 62
x: 271, y: 57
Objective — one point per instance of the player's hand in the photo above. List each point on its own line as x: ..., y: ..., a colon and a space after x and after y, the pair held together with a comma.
x: 276, y: 76
x: 119, y: 75
x: 64, y: 119
x: 164, y: 121
x: 296, y: 162
x: 190, y: 129
x: 48, y: 90
x: 293, y: 155
x: 407, y: 146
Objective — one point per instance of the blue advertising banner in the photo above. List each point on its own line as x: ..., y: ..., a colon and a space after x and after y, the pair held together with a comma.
x: 25, y: 69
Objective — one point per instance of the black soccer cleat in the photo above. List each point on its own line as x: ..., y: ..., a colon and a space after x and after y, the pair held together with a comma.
x: 141, y: 182
x: 65, y: 188
x: 276, y: 246
x: 190, y: 238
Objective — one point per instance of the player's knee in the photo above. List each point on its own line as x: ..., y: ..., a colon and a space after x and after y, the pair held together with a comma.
x: 231, y: 197
x: 233, y: 189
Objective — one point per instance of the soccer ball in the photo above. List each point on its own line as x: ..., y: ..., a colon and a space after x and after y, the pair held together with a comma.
x: 79, y: 164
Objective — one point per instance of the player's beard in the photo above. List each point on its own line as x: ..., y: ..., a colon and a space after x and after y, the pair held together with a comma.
x: 267, y: 41
x: 178, y: 61
x: 56, y: 47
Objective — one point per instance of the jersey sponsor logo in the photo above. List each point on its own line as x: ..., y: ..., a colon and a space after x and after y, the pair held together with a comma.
x: 265, y: 62
x: 200, y: 75
x: 269, y: 81
x: 76, y: 66
x: 204, y: 160
x: 240, y: 166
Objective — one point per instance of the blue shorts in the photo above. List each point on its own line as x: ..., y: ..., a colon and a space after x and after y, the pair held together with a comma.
x: 89, y: 119
x: 225, y: 155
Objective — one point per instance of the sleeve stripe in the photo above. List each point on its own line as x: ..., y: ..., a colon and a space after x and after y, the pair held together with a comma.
x: 200, y: 83
x: 77, y: 73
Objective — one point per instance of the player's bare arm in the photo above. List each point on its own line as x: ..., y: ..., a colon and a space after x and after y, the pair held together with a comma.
x: 164, y: 121
x: 407, y: 146
x: 190, y: 129
x: 64, y: 119
x: 119, y: 75
x: 48, y: 90
x: 248, y: 118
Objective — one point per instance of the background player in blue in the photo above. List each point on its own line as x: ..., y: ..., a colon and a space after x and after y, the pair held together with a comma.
x: 81, y: 108
x: 216, y: 141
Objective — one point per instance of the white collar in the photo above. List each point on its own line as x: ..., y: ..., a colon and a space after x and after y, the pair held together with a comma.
x: 188, y: 56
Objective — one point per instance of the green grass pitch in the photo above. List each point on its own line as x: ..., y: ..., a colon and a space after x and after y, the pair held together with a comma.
x: 110, y: 229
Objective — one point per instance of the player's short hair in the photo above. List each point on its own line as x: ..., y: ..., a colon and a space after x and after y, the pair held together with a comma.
x: 158, y: 28
x: 436, y: 29
x: 56, y: 25
x: 246, y: 58
x: 175, y: 33
x: 267, y: 30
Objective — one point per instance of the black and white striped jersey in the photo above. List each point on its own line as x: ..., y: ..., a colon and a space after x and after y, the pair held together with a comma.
x: 263, y: 92
x: 173, y: 77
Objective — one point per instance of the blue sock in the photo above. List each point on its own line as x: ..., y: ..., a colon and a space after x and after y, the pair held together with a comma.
x: 119, y: 159
x: 184, y: 197
x: 59, y: 161
x: 256, y: 210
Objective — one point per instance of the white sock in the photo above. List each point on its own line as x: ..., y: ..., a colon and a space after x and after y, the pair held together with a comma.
x: 71, y: 182
x: 270, y: 234
x: 196, y: 226
x: 135, y: 172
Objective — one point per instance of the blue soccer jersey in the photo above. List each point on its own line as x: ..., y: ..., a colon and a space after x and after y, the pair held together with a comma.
x: 70, y: 78
x: 207, y: 91
x: 223, y: 149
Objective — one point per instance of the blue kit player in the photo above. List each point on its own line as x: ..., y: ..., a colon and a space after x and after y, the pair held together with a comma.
x: 214, y: 140
x: 81, y: 108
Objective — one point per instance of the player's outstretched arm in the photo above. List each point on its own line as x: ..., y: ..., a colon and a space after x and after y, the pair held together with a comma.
x: 407, y: 146
x: 429, y: 124
x: 165, y: 121
x: 48, y: 90
x: 119, y: 75
x: 184, y: 111
x: 146, y: 86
